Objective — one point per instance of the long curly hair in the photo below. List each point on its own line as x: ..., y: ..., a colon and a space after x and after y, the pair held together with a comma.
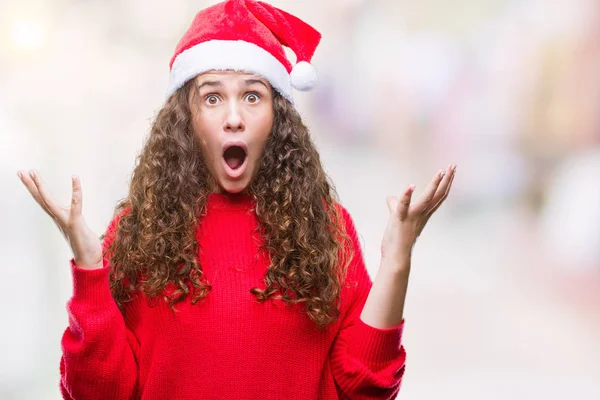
x: 302, y: 226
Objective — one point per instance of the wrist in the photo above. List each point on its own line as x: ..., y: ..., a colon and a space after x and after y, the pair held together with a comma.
x: 398, y: 264
x: 88, y: 266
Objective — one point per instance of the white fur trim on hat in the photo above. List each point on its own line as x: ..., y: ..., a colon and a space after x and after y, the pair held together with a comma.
x: 235, y: 55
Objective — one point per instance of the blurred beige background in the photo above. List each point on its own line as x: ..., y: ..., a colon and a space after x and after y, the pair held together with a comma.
x: 504, y: 299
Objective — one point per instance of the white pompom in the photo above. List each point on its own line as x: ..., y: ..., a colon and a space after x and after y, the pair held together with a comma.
x: 303, y: 76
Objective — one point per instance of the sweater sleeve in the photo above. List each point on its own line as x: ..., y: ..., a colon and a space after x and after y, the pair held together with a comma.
x: 366, y: 362
x: 99, y: 353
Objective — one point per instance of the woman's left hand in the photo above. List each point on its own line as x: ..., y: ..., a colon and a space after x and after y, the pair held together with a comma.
x: 408, y: 220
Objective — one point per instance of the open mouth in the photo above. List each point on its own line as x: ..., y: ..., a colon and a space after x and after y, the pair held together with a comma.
x: 234, y: 156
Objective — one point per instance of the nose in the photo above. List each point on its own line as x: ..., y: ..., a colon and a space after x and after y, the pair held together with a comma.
x: 234, y: 121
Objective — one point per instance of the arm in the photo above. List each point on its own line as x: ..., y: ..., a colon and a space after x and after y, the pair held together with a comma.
x: 99, y: 353
x: 384, y: 307
x: 367, y: 362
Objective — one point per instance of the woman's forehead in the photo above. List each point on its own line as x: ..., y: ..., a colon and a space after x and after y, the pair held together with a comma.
x: 228, y: 75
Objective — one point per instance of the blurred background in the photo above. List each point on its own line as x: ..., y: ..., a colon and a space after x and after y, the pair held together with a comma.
x: 504, y: 298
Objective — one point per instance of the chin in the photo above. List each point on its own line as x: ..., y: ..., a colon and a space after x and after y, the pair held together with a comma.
x: 234, y: 187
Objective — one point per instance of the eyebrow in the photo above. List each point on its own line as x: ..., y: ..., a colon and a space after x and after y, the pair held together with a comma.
x: 251, y: 81
x: 247, y: 82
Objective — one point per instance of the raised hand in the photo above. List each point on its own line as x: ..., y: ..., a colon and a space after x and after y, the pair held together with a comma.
x: 85, y: 244
x: 408, y: 220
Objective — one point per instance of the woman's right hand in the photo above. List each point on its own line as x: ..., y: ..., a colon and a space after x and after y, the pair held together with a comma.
x: 85, y: 244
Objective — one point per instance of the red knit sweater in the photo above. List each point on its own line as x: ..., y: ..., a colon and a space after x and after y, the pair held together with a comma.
x: 229, y: 346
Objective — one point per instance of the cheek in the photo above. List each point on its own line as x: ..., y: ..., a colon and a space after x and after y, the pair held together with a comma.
x: 205, y: 135
x: 260, y: 140
x: 265, y: 127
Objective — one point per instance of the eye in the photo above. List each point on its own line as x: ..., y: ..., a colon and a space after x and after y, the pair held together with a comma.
x: 253, y: 97
x: 211, y: 99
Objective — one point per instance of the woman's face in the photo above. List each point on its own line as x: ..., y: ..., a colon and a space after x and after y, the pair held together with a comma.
x: 232, y: 118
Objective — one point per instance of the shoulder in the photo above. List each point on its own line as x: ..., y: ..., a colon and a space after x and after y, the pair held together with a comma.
x: 347, y: 225
x: 109, y: 236
x: 347, y: 221
x: 357, y: 276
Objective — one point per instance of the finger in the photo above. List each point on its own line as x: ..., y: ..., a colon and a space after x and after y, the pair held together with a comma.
x: 442, y: 189
x: 32, y: 188
x: 404, y: 203
x: 76, y: 197
x: 47, y: 199
x: 441, y: 201
x: 428, y: 196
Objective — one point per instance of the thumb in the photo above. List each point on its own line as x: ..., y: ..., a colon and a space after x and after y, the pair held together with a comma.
x: 400, y: 208
x: 76, y: 199
x: 405, y: 202
x: 392, y: 202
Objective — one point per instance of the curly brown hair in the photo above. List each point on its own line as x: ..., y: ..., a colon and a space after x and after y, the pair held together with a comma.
x: 302, y: 225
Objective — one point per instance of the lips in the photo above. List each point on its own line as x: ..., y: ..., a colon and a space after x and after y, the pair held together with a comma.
x: 235, y: 158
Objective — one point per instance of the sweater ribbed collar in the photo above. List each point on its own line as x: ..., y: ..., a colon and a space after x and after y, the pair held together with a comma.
x: 229, y: 202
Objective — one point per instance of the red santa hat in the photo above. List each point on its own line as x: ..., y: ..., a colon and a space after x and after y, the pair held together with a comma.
x: 247, y: 35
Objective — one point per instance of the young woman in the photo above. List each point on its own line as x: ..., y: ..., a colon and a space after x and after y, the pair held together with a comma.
x: 230, y: 271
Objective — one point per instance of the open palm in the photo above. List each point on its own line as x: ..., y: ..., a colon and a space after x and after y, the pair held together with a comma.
x: 85, y: 244
x: 407, y: 219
